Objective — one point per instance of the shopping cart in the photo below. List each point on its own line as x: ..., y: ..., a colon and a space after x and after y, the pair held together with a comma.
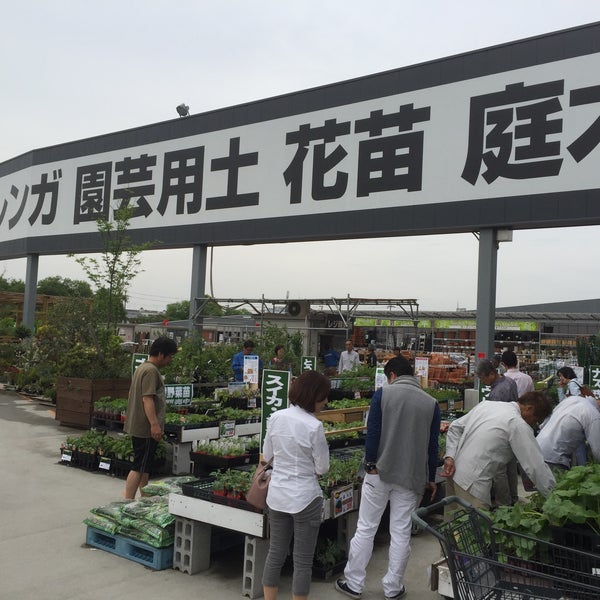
x: 487, y: 563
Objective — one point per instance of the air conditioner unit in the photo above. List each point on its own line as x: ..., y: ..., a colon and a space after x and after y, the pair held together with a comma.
x: 298, y: 308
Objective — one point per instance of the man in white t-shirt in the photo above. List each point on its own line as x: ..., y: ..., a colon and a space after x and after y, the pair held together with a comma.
x: 348, y: 358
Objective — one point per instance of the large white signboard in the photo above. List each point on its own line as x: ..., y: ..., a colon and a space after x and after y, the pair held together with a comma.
x: 529, y: 132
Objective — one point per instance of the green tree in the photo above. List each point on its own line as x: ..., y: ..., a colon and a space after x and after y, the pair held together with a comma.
x: 118, y: 264
x: 273, y: 335
x: 70, y: 344
x: 109, y: 308
x: 213, y: 308
x: 9, y: 309
x: 63, y: 286
x: 178, y: 311
x: 197, y: 359
x: 11, y: 285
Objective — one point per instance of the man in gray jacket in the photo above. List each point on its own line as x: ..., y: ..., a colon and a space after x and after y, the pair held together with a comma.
x: 490, y: 435
x: 401, y: 455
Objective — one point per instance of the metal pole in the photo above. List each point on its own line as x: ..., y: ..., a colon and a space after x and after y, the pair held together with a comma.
x: 31, y: 278
x: 198, y: 286
x: 486, y: 294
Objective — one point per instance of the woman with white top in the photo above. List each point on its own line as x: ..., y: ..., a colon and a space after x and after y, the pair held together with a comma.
x: 567, y: 383
x: 295, y: 440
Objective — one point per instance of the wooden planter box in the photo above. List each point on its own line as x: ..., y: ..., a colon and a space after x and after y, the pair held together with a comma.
x: 343, y: 415
x: 75, y: 398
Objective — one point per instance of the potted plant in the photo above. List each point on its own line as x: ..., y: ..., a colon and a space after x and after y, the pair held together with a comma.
x: 329, y: 559
x: 222, y: 453
x: 342, y: 472
x: 231, y: 483
x: 349, y: 434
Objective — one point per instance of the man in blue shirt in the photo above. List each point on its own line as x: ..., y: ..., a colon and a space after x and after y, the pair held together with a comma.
x: 331, y: 359
x: 503, y: 389
x: 237, y: 364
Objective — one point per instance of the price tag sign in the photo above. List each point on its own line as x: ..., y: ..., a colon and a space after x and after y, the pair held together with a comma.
x: 422, y: 369
x: 251, y: 366
x: 104, y: 464
x: 66, y: 455
x: 251, y: 403
x: 137, y: 360
x: 380, y: 378
x: 343, y: 500
x: 226, y: 429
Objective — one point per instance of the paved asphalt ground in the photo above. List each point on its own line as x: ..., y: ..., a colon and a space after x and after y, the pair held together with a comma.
x: 43, y: 554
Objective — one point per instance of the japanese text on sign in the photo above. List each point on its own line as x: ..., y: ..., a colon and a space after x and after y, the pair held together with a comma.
x: 532, y: 125
x: 179, y: 394
x: 274, y: 394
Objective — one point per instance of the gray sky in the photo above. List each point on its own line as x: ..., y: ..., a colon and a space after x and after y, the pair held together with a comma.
x: 74, y: 69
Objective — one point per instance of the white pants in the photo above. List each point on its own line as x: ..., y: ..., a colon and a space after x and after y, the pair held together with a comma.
x: 374, y: 498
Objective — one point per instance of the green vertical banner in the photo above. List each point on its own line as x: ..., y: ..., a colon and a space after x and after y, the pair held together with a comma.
x: 484, y: 392
x: 137, y: 360
x: 274, y: 396
x: 309, y: 363
x: 595, y: 380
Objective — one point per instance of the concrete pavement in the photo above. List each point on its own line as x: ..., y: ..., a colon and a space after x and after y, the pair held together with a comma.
x: 43, y: 554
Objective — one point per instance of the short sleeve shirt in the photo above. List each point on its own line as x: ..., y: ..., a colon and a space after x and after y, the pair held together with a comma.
x: 147, y: 381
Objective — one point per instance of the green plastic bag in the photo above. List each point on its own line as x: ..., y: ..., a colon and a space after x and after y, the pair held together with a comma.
x: 102, y: 523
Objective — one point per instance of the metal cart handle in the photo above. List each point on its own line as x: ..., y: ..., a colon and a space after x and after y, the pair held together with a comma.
x: 420, y: 513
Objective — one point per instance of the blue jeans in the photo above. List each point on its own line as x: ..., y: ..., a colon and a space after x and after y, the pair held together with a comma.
x: 304, y: 527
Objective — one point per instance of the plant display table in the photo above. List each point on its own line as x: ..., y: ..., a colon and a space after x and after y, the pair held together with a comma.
x: 195, y: 518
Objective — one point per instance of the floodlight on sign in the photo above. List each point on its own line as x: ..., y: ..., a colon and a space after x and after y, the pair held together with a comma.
x: 183, y: 110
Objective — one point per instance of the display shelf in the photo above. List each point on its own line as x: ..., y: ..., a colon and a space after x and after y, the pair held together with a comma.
x: 219, y: 515
x: 204, y: 463
x: 343, y: 415
x: 182, y: 434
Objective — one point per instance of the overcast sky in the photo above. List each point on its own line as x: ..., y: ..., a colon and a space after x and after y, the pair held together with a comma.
x: 75, y: 69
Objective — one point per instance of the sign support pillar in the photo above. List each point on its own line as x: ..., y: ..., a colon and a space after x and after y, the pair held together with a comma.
x: 486, y: 294
x: 198, y: 285
x: 31, y: 278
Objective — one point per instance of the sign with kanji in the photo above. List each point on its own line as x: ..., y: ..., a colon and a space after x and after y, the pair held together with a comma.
x: 274, y: 394
x: 309, y: 363
x: 484, y: 392
x: 179, y: 394
x: 343, y: 500
x: 508, y: 134
x: 226, y: 428
x: 595, y: 380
